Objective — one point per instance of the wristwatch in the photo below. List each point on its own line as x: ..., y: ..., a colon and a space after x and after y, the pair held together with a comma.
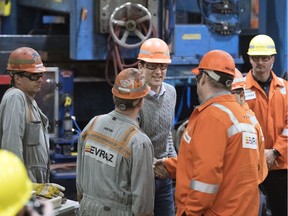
x: 276, y: 152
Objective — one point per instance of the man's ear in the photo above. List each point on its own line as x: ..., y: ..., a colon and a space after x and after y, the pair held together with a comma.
x: 141, y: 103
x: 242, y: 94
x: 17, y: 79
x: 203, y: 79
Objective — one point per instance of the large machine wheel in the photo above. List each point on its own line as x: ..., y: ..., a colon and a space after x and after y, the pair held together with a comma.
x: 130, y: 20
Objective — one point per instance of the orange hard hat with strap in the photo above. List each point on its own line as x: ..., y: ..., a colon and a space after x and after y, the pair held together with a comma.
x: 218, y: 61
x: 238, y: 81
x: 25, y: 59
x: 130, y: 84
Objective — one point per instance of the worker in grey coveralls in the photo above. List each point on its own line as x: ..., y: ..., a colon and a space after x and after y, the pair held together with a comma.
x: 23, y: 126
x: 115, y: 158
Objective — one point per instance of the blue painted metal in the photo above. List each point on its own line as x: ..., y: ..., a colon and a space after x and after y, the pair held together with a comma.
x: 66, y: 88
x: 273, y: 21
x: 56, y: 5
x: 191, y: 42
x: 87, y: 44
x: 184, y: 5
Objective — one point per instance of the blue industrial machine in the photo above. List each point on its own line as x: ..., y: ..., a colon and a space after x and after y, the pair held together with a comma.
x: 87, y: 42
x: 92, y: 24
x: 102, y: 29
x: 109, y: 34
x: 273, y: 21
x: 56, y: 101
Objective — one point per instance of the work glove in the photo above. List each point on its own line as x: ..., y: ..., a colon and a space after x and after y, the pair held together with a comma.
x: 48, y: 190
x: 160, y: 170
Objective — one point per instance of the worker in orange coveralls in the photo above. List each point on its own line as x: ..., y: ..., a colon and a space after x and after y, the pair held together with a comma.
x: 266, y: 94
x: 167, y: 166
x: 238, y: 88
x: 217, y: 167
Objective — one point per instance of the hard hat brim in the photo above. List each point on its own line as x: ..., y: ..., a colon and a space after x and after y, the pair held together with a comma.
x: 252, y: 53
x: 195, y: 71
x: 41, y: 69
x: 130, y: 96
x: 156, y: 60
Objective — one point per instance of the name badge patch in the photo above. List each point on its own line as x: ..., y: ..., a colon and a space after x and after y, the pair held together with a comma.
x: 101, y: 153
x: 249, y: 140
x: 249, y: 95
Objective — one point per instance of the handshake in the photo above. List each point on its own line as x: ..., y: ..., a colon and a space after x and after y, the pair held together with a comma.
x: 160, y: 170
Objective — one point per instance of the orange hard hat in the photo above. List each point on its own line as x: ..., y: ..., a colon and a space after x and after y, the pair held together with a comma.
x: 25, y: 59
x: 217, y: 60
x: 238, y: 81
x: 130, y: 84
x: 154, y: 50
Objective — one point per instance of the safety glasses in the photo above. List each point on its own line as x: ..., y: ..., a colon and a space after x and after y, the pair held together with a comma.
x: 153, y: 66
x: 198, y: 76
x: 32, y: 77
x: 263, y: 58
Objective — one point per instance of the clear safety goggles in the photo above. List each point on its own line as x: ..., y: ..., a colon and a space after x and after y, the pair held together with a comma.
x: 153, y: 66
x: 263, y: 58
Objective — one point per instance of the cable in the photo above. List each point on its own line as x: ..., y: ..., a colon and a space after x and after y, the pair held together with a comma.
x: 76, y: 125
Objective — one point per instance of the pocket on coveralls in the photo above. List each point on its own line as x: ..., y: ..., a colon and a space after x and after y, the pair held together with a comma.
x: 32, y: 133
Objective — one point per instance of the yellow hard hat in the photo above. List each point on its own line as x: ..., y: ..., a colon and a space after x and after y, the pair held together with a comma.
x: 15, y: 185
x: 261, y: 45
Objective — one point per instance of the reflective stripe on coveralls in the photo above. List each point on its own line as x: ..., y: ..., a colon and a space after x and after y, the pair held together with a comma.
x: 234, y: 129
x: 237, y: 127
x: 204, y: 187
x: 120, y: 146
x: 255, y: 122
x: 112, y: 154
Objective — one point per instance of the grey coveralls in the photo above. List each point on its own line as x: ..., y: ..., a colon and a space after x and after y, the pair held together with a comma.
x: 114, y: 168
x: 24, y: 131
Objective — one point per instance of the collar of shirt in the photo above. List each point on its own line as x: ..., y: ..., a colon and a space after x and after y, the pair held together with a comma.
x: 264, y: 84
x: 222, y: 96
x: 155, y: 95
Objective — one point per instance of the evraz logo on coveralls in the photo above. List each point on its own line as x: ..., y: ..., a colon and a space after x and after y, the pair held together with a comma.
x: 101, y: 153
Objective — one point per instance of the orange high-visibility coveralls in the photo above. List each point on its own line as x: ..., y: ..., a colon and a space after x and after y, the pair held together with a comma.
x: 171, y: 163
x: 217, y: 167
x: 262, y: 169
x: 272, y: 114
